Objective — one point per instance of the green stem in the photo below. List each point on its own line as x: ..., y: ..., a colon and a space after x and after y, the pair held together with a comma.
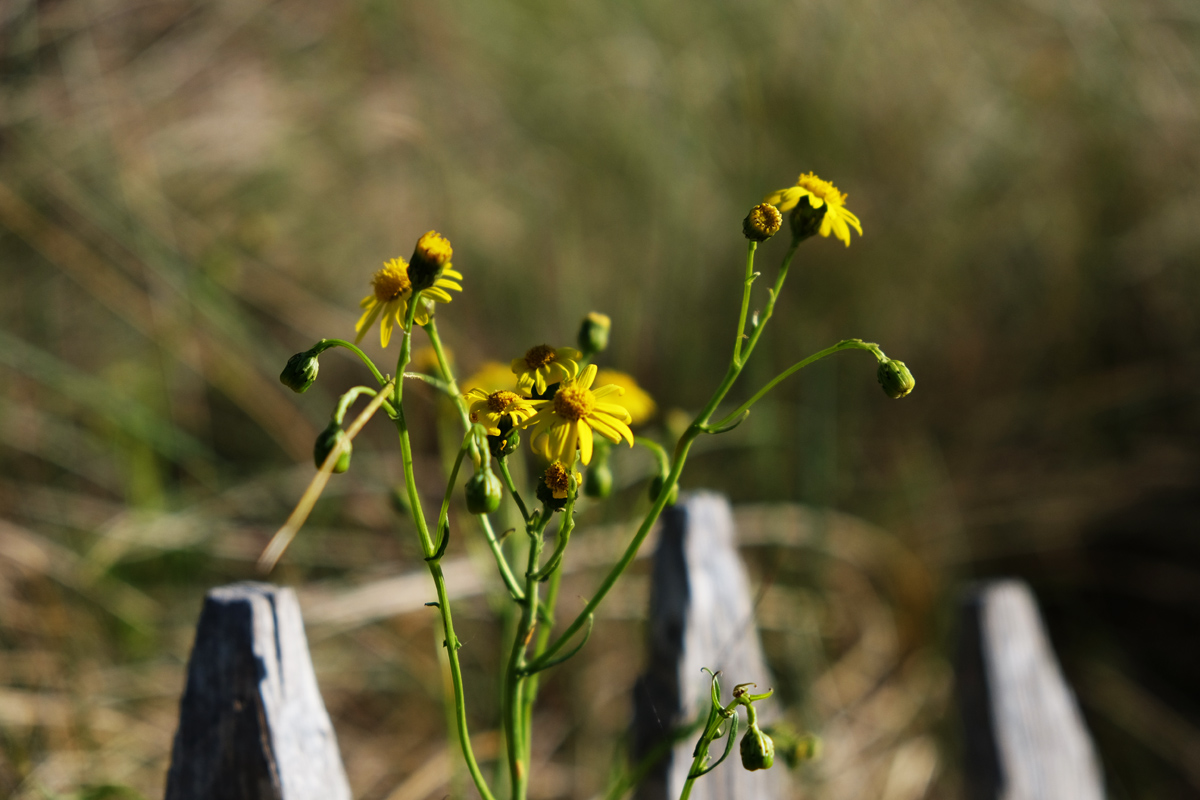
x: 769, y: 310
x: 746, y: 284
x: 435, y: 568
x: 325, y: 344
x: 660, y: 453
x: 512, y: 488
x: 516, y: 732
x: 845, y: 344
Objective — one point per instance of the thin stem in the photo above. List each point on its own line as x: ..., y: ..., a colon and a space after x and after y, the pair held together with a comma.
x: 516, y: 732
x: 512, y: 488
x: 746, y: 284
x: 325, y: 344
x: 660, y: 453
x: 845, y: 344
x: 771, y: 299
x: 435, y: 568
x: 444, y: 513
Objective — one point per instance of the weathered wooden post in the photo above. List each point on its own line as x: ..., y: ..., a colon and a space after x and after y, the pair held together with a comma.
x: 1025, y: 738
x: 252, y: 725
x: 701, y: 615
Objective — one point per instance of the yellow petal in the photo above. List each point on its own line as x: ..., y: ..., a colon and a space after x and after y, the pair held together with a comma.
x: 585, y: 440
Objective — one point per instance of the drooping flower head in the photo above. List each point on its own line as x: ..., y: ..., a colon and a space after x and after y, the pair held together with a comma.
x: 430, y: 260
x: 543, y: 365
x: 557, y: 478
x: 834, y: 218
x: 490, y: 409
x: 564, y: 423
x: 392, y: 291
x: 634, y: 398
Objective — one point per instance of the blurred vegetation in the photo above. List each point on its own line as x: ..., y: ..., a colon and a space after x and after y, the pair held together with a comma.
x: 191, y: 191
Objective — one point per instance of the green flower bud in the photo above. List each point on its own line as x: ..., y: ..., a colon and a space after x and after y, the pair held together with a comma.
x: 593, y: 334
x: 656, y: 487
x: 895, y: 378
x: 505, y: 444
x: 300, y: 372
x: 762, y: 222
x: 805, y: 220
x: 326, y: 441
x: 484, y: 492
x: 758, y: 751
x: 598, y: 481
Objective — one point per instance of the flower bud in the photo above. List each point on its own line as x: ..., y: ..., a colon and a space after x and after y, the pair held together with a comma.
x: 895, y: 378
x: 554, y: 486
x: 431, y: 256
x: 484, y: 492
x: 326, y: 441
x: 599, y: 480
x: 656, y: 487
x: 506, y: 443
x: 805, y: 220
x: 593, y: 333
x: 300, y: 372
x: 758, y: 751
x: 762, y: 222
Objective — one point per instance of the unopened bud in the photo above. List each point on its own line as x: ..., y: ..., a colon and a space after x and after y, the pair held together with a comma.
x: 484, y: 492
x: 431, y: 255
x: 506, y: 443
x: 762, y: 222
x: 758, y: 751
x: 593, y: 333
x: 805, y: 220
x: 300, y: 372
x: 895, y: 378
x: 328, y: 439
x: 598, y: 482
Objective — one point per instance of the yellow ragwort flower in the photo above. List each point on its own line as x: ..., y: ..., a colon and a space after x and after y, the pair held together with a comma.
x: 640, y: 405
x: 820, y: 194
x: 566, y: 421
x: 490, y: 408
x: 557, y: 478
x: 543, y: 365
x: 492, y: 376
x: 391, y: 292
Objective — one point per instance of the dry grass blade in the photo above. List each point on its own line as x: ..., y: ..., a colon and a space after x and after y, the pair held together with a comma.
x: 283, y: 537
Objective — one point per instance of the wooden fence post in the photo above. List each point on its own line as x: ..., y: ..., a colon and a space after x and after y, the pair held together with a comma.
x: 1024, y: 736
x: 701, y: 615
x: 252, y: 725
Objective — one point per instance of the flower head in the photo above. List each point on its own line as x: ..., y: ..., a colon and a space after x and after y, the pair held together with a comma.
x: 640, y: 405
x: 490, y: 409
x: 557, y: 478
x: 392, y: 291
x: 762, y: 222
x: 543, y: 365
x: 821, y: 194
x: 565, y: 422
x: 430, y: 259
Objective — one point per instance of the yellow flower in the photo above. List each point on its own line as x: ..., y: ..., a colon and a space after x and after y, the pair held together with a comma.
x: 430, y: 259
x: 566, y: 421
x: 640, y: 405
x: 391, y: 292
x: 820, y: 194
x: 543, y: 365
x: 490, y: 409
x: 557, y: 478
x: 491, y: 376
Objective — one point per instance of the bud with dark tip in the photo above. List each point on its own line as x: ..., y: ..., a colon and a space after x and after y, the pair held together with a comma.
x: 484, y: 492
x: 593, y: 333
x: 895, y: 378
x: 762, y: 222
x: 328, y: 439
x: 758, y: 750
x: 431, y: 255
x: 300, y: 372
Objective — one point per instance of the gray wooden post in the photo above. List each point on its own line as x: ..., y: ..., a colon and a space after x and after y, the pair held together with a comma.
x: 701, y: 615
x: 1024, y: 736
x: 252, y: 725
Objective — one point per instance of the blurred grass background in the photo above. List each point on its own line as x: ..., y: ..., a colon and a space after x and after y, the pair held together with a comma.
x: 190, y: 191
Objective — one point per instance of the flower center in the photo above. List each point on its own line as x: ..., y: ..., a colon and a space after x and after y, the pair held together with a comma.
x: 435, y: 248
x: 557, y: 478
x: 573, y: 403
x: 539, y: 356
x: 822, y: 189
x: 501, y: 401
x: 391, y: 281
